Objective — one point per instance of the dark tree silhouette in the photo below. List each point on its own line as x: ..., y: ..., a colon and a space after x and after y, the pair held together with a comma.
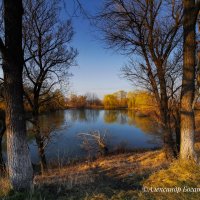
x: 48, y: 58
x: 19, y: 163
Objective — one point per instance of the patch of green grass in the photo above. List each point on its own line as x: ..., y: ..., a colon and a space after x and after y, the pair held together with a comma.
x: 182, y: 174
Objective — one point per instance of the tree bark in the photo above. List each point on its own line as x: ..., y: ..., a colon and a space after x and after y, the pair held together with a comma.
x: 19, y: 162
x: 2, y: 131
x: 162, y: 101
x: 165, y: 118
x: 40, y: 144
x: 188, y: 83
x: 177, y: 131
x: 2, y: 164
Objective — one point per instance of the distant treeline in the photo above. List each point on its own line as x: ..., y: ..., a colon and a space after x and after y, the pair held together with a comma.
x: 138, y: 100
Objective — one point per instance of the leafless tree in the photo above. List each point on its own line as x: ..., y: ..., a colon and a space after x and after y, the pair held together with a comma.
x: 150, y: 31
x: 48, y: 57
x: 137, y: 74
x: 92, y: 100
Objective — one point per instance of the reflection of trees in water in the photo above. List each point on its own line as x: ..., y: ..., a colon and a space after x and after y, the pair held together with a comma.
x: 110, y: 116
x: 92, y: 115
x: 73, y: 115
x: 57, y: 119
x: 146, y: 124
x: 54, y: 119
x: 87, y: 115
x: 48, y: 123
x: 122, y: 117
x: 115, y: 116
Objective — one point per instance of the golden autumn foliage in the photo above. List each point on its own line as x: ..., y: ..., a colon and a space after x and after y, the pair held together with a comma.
x: 115, y: 100
x: 110, y: 101
x: 139, y: 100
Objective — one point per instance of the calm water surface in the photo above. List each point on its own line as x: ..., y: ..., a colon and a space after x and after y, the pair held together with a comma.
x: 123, y: 128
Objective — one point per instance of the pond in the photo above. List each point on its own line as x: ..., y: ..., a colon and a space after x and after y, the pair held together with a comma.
x: 121, y: 127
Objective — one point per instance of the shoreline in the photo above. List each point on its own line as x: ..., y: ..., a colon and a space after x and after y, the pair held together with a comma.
x: 113, y: 177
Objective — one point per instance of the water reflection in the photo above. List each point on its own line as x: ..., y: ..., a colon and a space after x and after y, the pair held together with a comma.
x: 146, y: 124
x: 82, y: 115
x: 110, y: 116
x: 120, y: 125
x: 49, y: 122
x: 115, y: 116
x: 55, y: 119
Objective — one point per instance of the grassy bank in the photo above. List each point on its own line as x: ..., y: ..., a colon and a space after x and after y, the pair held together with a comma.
x: 115, y: 177
x: 121, y: 176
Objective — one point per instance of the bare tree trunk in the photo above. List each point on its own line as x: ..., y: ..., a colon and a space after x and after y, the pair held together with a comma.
x: 164, y: 112
x: 168, y: 137
x: 40, y: 145
x: 2, y: 164
x: 19, y: 162
x: 162, y: 101
x: 188, y: 85
x: 168, y: 144
x: 2, y: 131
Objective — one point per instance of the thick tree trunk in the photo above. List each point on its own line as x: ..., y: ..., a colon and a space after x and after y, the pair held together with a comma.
x: 19, y: 162
x: 188, y: 85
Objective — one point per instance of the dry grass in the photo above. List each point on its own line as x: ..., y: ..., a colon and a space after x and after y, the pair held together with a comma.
x: 118, y: 166
x: 117, y: 177
x: 113, y: 177
x: 182, y: 174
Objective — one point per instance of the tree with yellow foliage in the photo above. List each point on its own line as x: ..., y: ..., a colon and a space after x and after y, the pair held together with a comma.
x: 110, y: 101
x: 140, y: 100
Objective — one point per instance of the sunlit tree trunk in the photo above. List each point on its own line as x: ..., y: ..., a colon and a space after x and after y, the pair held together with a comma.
x: 165, y: 116
x: 19, y: 162
x: 188, y: 85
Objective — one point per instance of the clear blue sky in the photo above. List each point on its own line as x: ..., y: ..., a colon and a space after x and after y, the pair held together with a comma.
x: 98, y: 68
